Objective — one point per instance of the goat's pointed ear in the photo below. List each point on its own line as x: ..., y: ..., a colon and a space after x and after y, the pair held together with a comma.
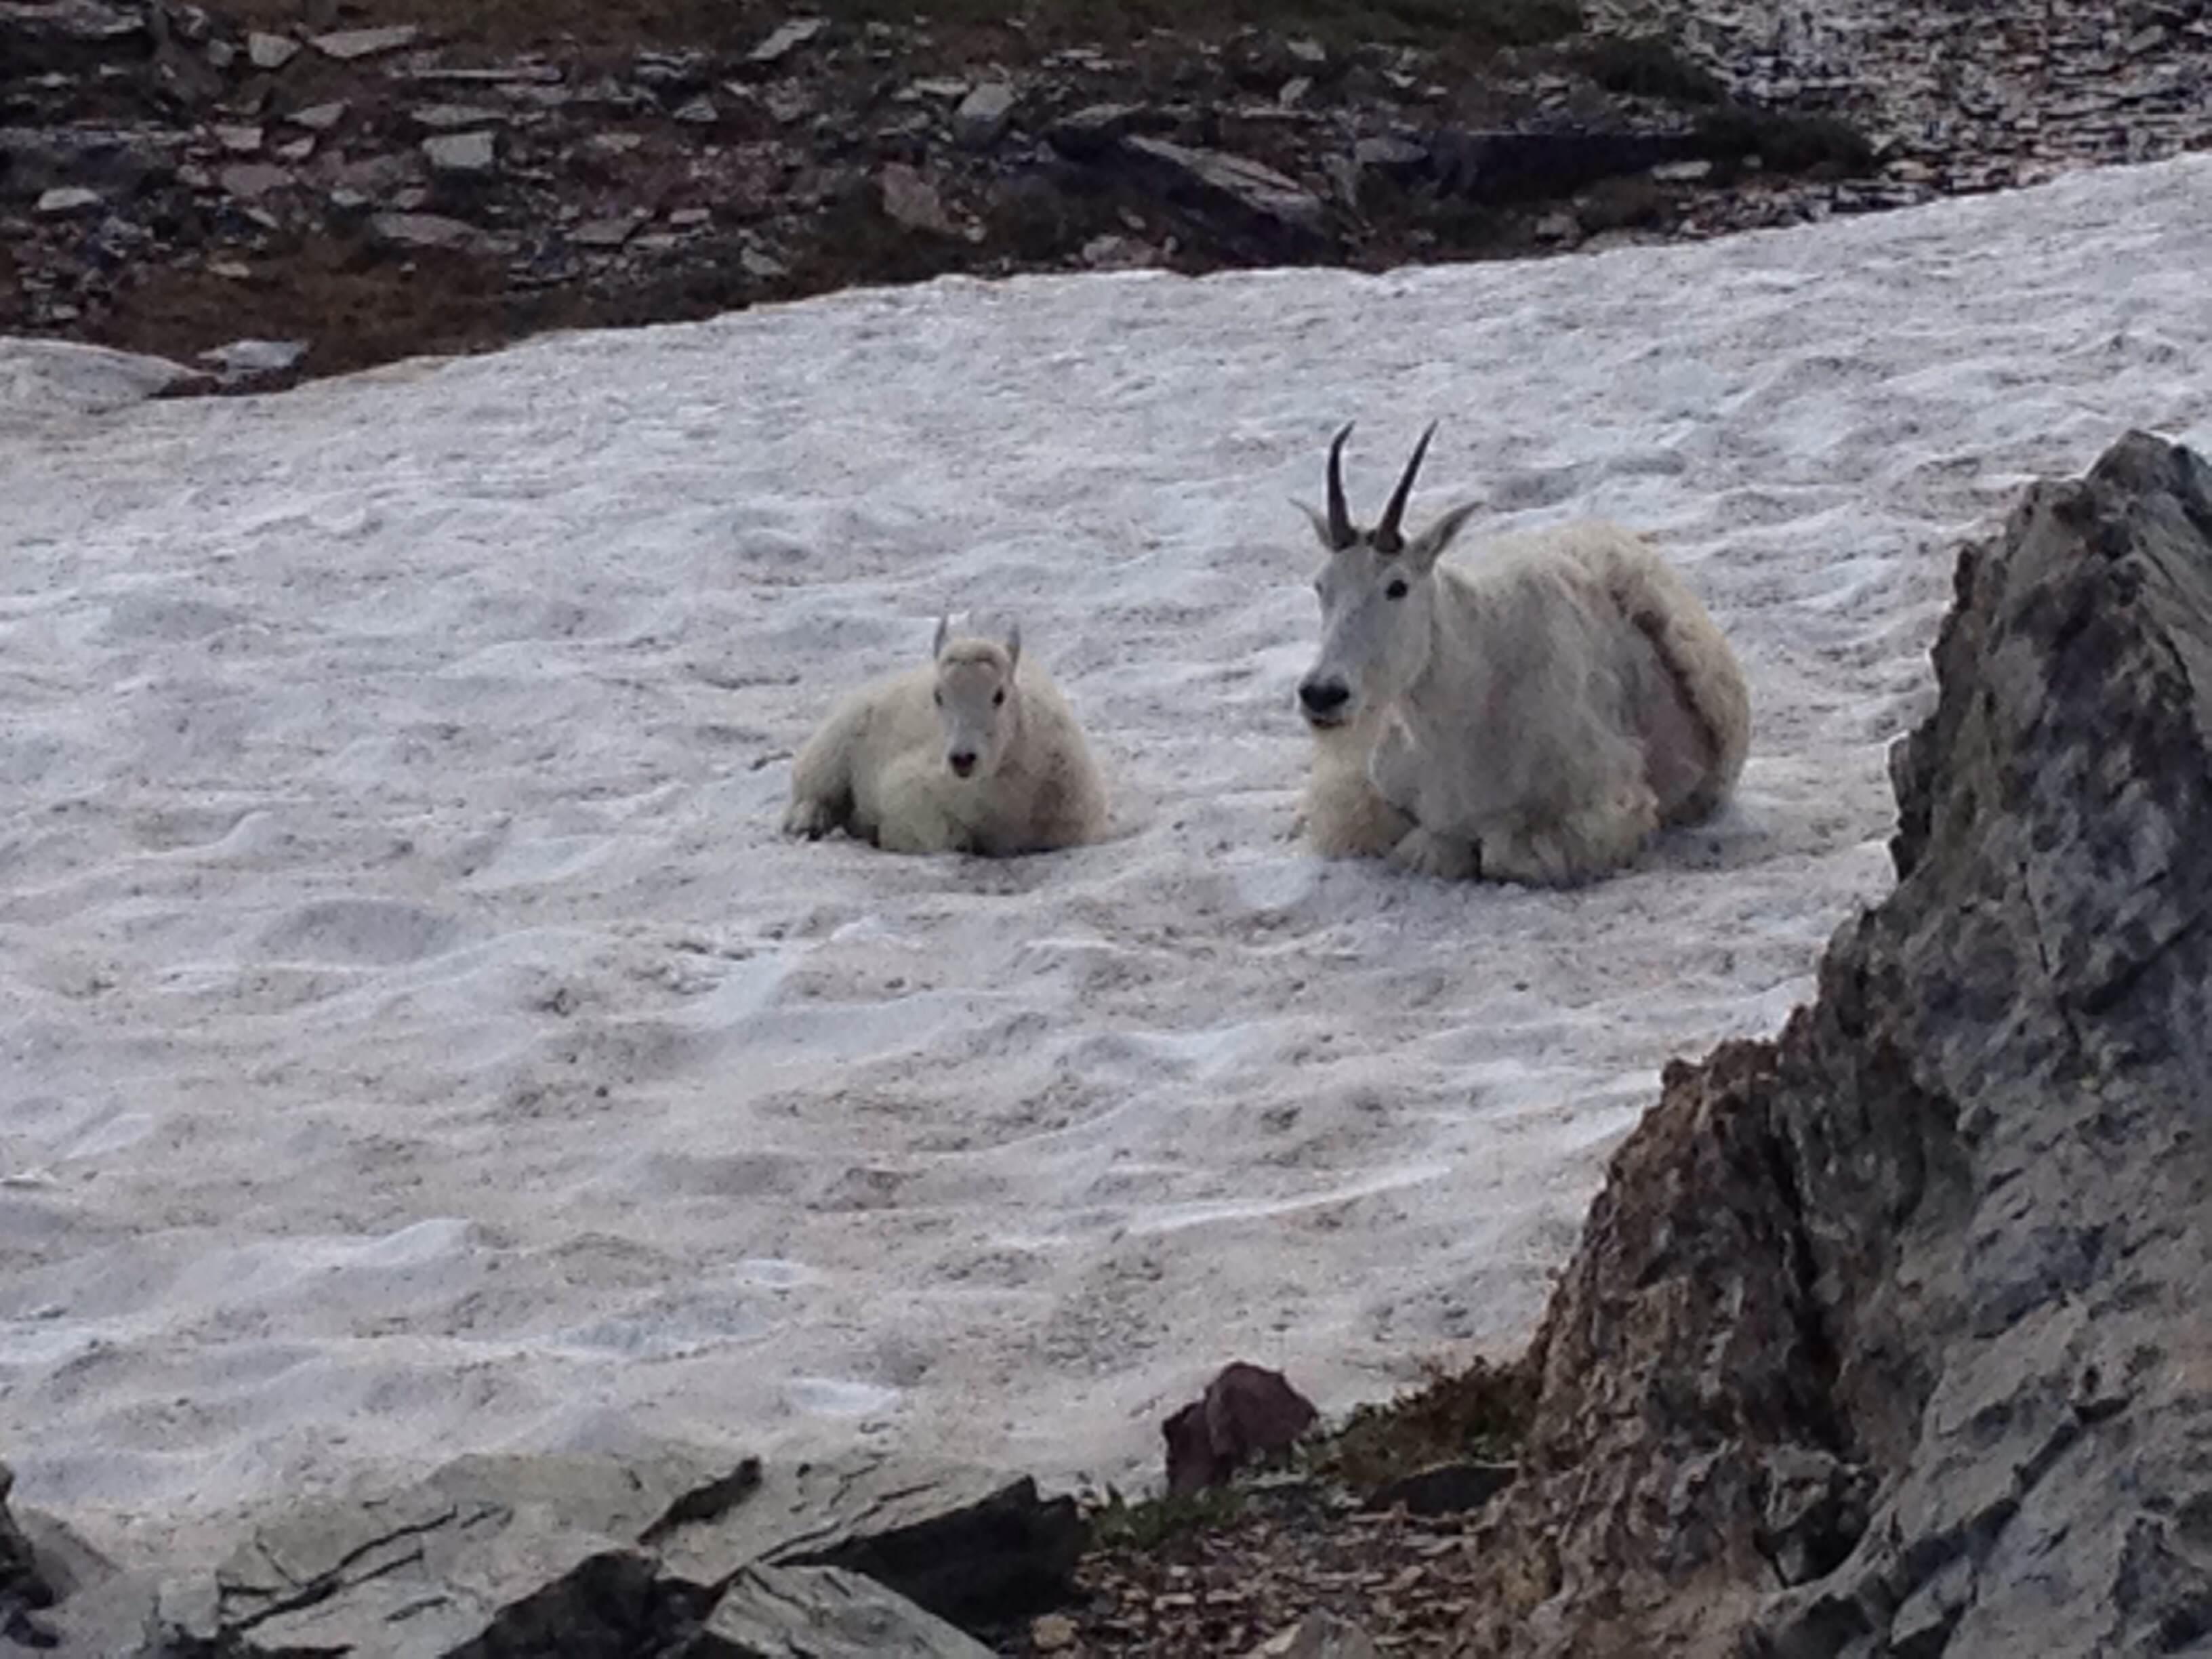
x: 1320, y: 526
x: 944, y: 633
x: 1425, y: 549
x: 1013, y: 646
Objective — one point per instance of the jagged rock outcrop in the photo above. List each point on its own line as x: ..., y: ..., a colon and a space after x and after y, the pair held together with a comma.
x: 23, y: 1582
x: 1886, y: 1338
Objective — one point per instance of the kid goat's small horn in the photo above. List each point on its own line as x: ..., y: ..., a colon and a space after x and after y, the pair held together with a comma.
x: 1386, y: 538
x: 1341, y: 535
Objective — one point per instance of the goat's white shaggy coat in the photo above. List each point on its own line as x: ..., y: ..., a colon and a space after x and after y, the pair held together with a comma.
x: 1534, y: 713
x: 975, y: 751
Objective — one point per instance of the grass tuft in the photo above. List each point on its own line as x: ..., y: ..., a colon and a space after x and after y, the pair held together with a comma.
x: 1477, y: 1414
x: 1144, y: 1526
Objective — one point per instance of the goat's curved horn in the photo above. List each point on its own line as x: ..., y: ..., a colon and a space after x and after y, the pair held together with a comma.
x: 1341, y: 535
x: 1387, y: 537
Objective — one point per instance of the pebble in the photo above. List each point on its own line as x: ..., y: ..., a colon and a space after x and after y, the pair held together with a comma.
x: 461, y: 152
x: 787, y: 38
x: 67, y: 200
x: 347, y: 45
x: 269, y: 51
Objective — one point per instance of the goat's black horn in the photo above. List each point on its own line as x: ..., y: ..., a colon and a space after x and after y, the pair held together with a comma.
x: 1387, y: 537
x: 1341, y: 535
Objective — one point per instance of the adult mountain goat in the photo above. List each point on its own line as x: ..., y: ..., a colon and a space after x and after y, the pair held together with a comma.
x: 1533, y: 714
x: 975, y: 751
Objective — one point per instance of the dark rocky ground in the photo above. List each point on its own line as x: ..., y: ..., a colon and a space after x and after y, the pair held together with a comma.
x: 373, y: 178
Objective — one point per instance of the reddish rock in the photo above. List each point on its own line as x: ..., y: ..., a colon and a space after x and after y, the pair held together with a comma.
x: 1246, y: 1412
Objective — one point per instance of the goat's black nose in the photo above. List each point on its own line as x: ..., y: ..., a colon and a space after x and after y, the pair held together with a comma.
x: 1324, y: 697
x: 962, y: 761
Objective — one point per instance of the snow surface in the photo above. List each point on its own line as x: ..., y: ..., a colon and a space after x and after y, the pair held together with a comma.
x: 414, y: 1036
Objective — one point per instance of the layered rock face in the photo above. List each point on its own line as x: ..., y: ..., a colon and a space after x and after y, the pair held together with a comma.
x: 1889, y: 1337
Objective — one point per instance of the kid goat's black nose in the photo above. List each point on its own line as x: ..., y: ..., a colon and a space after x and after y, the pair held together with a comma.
x: 1324, y: 697
x: 962, y: 763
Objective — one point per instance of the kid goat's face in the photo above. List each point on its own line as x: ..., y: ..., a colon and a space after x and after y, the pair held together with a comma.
x: 971, y: 706
x: 975, y: 696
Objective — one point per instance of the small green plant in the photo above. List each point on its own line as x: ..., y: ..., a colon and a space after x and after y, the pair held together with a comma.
x: 1145, y: 1525
x: 1480, y: 1414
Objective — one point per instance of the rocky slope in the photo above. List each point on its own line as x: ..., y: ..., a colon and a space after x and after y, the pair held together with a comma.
x: 344, y: 181
x: 1886, y: 1338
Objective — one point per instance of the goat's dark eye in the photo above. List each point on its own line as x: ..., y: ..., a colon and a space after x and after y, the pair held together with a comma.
x: 1396, y: 591
x: 938, y: 697
x: 998, y: 697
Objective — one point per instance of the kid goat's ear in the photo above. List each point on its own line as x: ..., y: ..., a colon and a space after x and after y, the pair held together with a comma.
x: 944, y: 632
x: 1013, y: 645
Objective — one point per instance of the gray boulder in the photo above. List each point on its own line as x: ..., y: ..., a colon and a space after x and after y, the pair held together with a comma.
x: 23, y: 1583
x: 983, y: 115
x: 911, y: 201
x: 1886, y: 1338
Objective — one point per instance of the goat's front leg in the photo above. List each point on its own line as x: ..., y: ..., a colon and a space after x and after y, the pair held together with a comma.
x: 1407, y: 784
x: 812, y: 817
x: 911, y: 814
x: 1394, y: 767
x: 1588, y: 842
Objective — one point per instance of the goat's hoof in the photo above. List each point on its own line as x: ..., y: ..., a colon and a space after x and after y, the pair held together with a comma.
x: 1445, y: 858
x: 809, y: 820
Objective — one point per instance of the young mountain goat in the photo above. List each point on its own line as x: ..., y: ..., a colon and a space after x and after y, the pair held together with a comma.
x: 975, y: 751
x: 1535, y: 716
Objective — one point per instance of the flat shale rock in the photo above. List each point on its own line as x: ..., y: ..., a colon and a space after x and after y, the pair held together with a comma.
x: 1903, y: 1313
x: 347, y: 45
x: 605, y: 1557
x: 822, y: 1612
x: 1277, y: 212
x: 970, y: 1546
x: 432, y: 230
x: 488, y: 1551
